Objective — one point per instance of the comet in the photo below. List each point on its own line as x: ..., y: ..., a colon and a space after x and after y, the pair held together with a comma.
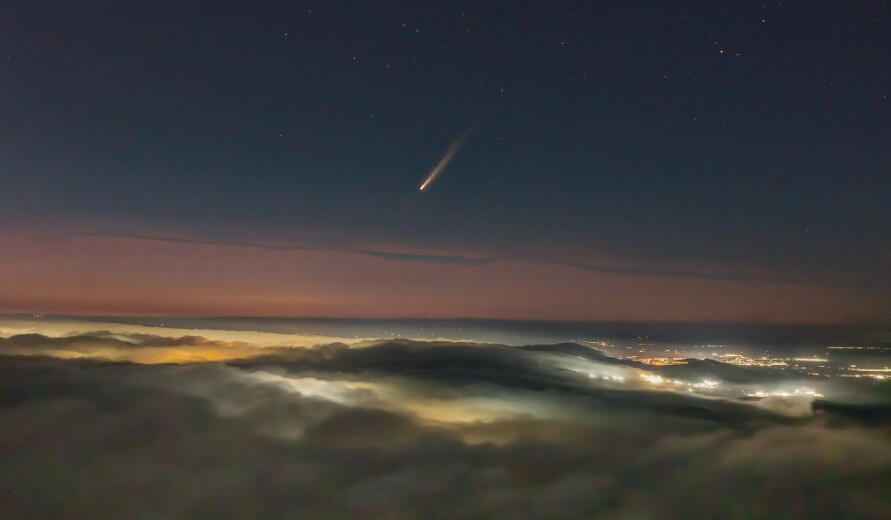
x: 446, y: 159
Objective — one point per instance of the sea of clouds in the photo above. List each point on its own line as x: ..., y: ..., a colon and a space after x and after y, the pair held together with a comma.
x: 130, y: 424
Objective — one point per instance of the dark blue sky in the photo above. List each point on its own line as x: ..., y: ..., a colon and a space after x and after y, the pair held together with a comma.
x: 725, y: 140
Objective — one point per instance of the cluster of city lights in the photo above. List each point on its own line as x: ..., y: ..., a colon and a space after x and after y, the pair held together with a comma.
x: 660, y: 361
x: 798, y: 392
x: 655, y: 379
x: 763, y: 361
x: 809, y: 365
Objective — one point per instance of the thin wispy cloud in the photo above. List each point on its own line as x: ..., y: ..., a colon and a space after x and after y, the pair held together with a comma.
x: 712, y: 274
x: 389, y: 255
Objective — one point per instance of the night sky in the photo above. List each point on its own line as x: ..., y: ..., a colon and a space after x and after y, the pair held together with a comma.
x: 698, y: 161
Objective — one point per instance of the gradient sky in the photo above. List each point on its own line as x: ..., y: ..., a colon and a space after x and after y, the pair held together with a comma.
x: 621, y: 160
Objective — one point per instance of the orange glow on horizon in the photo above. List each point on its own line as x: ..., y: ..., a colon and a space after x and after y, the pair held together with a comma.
x: 105, y: 275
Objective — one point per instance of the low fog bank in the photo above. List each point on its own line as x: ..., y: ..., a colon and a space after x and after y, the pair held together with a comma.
x: 403, y: 429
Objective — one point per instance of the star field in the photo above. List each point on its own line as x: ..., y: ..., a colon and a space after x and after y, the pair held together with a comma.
x: 698, y: 141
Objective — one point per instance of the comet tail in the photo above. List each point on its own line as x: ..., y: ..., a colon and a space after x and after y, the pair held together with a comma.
x: 450, y: 153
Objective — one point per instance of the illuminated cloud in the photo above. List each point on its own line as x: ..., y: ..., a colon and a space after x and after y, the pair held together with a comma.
x: 409, y: 429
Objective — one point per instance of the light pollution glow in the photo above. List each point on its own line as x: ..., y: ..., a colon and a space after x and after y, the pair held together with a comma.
x: 68, y: 338
x: 446, y: 159
x: 350, y: 423
x: 43, y: 272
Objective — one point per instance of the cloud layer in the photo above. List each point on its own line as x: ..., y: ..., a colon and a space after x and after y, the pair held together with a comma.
x: 404, y: 429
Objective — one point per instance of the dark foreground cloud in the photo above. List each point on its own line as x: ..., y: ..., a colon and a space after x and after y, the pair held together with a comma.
x: 412, y: 430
